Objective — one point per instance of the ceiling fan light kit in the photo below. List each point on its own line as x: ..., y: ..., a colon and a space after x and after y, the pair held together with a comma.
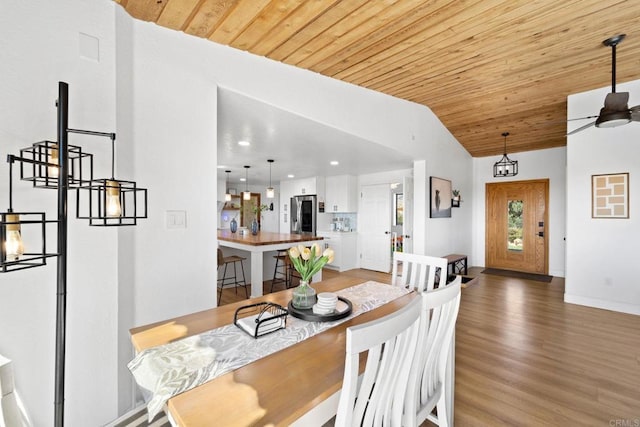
x: 616, y: 111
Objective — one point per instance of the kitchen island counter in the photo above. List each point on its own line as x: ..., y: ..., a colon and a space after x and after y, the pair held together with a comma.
x: 260, y: 243
x: 266, y: 238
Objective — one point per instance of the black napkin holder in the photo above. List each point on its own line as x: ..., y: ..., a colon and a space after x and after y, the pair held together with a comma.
x: 261, y: 318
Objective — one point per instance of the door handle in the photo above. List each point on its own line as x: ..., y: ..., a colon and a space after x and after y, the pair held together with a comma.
x: 387, y: 232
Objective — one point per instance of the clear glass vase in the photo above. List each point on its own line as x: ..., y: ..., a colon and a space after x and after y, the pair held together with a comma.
x: 304, y: 296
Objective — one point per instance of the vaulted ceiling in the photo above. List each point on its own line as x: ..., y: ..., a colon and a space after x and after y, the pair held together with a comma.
x: 482, y: 66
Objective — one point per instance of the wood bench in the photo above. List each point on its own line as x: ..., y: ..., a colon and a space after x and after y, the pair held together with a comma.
x: 456, y: 264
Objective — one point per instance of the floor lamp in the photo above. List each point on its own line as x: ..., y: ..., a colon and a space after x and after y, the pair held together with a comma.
x: 110, y: 202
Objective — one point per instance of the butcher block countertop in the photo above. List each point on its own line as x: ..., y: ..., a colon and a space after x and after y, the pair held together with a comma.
x: 265, y: 238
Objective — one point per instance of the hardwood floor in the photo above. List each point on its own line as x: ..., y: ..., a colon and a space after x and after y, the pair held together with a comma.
x: 524, y: 357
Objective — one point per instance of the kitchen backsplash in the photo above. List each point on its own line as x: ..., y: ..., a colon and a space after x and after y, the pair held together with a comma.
x: 343, y: 222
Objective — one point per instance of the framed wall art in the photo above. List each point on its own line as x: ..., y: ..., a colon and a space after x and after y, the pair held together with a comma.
x: 610, y: 195
x: 440, y: 190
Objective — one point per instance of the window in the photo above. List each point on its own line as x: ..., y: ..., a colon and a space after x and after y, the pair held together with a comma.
x: 514, y: 231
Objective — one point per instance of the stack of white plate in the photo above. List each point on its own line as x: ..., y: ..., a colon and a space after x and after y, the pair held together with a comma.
x: 326, y: 303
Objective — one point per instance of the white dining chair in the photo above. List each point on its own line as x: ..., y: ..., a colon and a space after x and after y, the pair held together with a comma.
x: 428, y: 383
x: 377, y: 398
x: 12, y: 412
x: 419, y: 272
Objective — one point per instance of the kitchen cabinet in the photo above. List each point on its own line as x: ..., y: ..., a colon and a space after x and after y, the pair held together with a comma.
x: 344, y: 245
x: 341, y: 193
x: 308, y: 186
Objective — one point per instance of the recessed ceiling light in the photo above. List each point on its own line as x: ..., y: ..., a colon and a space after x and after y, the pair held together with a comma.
x: 243, y: 179
x: 290, y: 176
x: 244, y: 143
x: 334, y: 163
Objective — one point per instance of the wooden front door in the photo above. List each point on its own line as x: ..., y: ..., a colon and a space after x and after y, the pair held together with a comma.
x: 516, y: 226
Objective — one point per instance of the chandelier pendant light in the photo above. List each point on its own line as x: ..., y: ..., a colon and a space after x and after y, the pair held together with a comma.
x: 246, y: 195
x: 271, y: 193
x: 505, y: 166
x: 227, y: 194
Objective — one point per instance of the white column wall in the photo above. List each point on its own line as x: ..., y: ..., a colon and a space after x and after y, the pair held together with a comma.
x: 602, y: 253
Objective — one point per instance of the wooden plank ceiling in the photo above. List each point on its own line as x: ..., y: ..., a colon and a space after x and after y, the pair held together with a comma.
x: 483, y: 66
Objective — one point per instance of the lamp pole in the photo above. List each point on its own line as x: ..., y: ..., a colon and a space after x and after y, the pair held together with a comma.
x: 61, y: 282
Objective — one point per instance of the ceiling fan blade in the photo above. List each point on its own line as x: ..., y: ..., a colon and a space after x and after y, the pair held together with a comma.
x: 582, y: 118
x: 616, y: 101
x: 581, y: 128
x: 635, y: 113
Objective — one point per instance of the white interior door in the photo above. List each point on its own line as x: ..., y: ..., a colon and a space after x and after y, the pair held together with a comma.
x: 407, y: 225
x: 374, y: 227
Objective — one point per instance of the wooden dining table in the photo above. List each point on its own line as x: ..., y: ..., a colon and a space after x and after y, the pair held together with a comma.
x: 299, y: 381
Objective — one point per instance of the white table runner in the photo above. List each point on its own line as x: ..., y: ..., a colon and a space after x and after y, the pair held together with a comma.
x: 170, y: 369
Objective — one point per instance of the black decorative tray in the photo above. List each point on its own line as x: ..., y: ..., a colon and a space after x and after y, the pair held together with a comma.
x: 342, y: 310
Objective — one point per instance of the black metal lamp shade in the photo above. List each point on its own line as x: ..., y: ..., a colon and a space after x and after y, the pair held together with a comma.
x: 505, y: 167
x: 111, y: 202
x: 42, y: 172
x: 23, y: 238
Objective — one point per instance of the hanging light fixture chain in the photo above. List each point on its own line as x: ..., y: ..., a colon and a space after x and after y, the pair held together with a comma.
x: 10, y: 160
x: 113, y: 155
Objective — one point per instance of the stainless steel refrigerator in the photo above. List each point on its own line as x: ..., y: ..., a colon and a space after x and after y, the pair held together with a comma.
x: 303, y: 215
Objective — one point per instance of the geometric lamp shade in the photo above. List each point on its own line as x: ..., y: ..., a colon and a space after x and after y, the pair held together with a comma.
x: 109, y: 202
x: 46, y: 152
x: 23, y: 240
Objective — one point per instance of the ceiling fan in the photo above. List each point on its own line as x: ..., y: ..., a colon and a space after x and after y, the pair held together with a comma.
x: 616, y: 111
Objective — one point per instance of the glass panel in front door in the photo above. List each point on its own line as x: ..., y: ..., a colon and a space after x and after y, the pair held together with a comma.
x: 515, y: 209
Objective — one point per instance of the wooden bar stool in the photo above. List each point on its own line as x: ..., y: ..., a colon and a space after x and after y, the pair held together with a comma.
x: 231, y: 280
x: 280, y: 271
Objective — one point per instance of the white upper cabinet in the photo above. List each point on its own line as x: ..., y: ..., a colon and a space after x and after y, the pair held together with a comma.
x: 341, y: 194
x: 305, y: 186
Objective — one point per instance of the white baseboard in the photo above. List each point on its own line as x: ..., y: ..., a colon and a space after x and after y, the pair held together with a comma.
x: 605, y: 305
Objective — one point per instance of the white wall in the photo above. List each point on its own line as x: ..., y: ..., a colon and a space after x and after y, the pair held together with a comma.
x: 445, y: 236
x: 602, y: 253
x: 540, y: 164
x: 40, y: 44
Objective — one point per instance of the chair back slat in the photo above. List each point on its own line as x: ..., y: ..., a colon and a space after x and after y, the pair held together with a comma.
x: 420, y: 272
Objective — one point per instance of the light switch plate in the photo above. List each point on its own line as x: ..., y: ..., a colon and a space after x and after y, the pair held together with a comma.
x: 176, y: 219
